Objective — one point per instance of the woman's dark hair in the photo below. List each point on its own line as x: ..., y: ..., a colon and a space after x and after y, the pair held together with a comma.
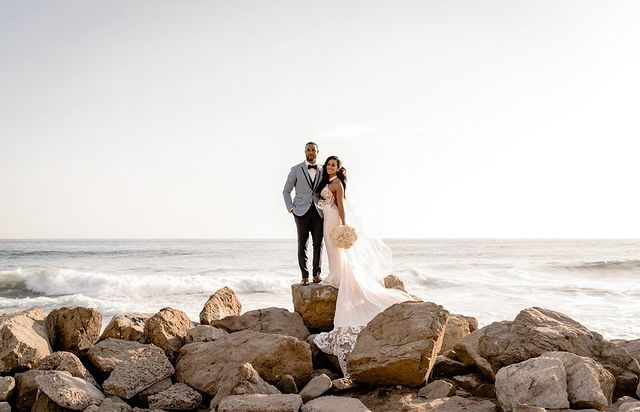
x: 341, y: 173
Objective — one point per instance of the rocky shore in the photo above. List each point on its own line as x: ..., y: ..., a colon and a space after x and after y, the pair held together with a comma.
x: 414, y: 356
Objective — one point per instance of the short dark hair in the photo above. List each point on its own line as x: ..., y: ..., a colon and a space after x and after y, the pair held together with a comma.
x: 313, y: 143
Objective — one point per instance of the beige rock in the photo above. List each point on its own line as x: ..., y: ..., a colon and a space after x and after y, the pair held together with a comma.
x: 179, y: 397
x: 629, y: 406
x: 315, y: 388
x: 140, y: 372
x: 260, y: 403
x: 242, y: 379
x: 23, y: 339
x: 44, y: 404
x: 452, y: 404
x: 113, y: 404
x: 457, y: 328
x: 66, y: 361
x: 535, y: 331
x: 7, y: 385
x: 127, y: 326
x: 437, y: 389
x: 73, y: 329
x: 204, y: 333
x: 446, y: 367
x: 68, y: 391
x: 26, y: 389
x: 589, y: 385
x: 316, y: 304
x: 167, y: 329
x: 221, y: 304
x: 5, y: 407
x: 202, y: 364
x: 399, y: 346
x: 393, y: 282
x: 528, y: 408
x: 153, y: 389
x: 536, y: 382
x: 269, y: 320
x: 107, y: 354
x: 335, y: 404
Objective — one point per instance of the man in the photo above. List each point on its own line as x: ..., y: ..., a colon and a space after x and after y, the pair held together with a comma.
x: 305, y: 178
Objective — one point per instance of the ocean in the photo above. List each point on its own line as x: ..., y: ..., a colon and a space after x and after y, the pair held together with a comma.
x: 592, y: 281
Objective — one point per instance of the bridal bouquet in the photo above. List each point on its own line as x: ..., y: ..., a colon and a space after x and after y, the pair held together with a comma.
x: 344, y: 236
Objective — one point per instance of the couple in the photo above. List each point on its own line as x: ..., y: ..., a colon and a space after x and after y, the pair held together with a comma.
x: 319, y: 206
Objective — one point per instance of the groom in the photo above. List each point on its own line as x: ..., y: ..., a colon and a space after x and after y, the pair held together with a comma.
x: 305, y: 178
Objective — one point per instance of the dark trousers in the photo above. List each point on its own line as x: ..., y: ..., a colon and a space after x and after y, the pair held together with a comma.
x: 310, y: 222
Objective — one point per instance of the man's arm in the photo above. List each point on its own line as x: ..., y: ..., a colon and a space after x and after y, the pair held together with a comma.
x: 288, y: 188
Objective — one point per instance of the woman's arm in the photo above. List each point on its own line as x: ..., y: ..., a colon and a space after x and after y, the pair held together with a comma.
x: 339, y: 196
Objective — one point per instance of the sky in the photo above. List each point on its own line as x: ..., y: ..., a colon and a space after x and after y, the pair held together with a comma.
x: 454, y: 119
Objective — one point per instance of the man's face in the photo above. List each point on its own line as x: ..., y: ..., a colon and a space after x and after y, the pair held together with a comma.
x: 311, y: 153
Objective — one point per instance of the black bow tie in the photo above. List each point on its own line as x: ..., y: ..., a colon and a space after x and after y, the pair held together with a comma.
x: 312, y: 167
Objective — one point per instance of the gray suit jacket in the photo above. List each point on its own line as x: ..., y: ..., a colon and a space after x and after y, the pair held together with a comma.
x: 305, y: 189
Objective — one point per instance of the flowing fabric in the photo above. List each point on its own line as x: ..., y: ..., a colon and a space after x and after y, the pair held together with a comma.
x: 358, y: 273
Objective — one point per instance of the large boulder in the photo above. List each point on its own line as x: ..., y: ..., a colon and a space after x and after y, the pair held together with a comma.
x: 452, y: 404
x: 399, y: 346
x: 167, y: 329
x: 202, y: 365
x: 204, y: 333
x: 335, y: 404
x: 457, y: 328
x: 74, y: 329
x: 138, y: 373
x: 269, y: 320
x: 68, y: 391
x: 260, y: 403
x: 536, y: 331
x: 26, y: 389
x: 127, y: 326
x: 536, y: 382
x: 179, y: 397
x: 224, y: 302
x: 7, y: 385
x: 316, y: 304
x: 107, y: 354
x: 241, y: 379
x: 68, y: 362
x: 23, y: 340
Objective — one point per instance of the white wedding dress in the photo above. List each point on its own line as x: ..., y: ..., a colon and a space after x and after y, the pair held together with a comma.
x: 358, y: 274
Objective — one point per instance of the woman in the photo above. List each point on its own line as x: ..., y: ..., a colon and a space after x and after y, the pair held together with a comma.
x: 357, y: 272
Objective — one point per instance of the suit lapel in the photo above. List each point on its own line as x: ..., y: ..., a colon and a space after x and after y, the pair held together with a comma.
x: 305, y: 172
x: 318, y: 178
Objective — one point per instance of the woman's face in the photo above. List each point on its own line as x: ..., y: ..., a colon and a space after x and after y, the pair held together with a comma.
x: 332, y: 167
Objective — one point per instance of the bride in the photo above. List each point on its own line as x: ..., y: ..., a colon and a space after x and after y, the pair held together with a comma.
x: 357, y: 272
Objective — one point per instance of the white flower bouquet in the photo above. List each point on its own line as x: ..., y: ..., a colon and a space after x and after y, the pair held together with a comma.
x: 344, y: 236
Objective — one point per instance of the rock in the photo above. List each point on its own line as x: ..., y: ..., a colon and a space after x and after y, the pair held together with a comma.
x: 629, y: 405
x: 486, y: 391
x: 68, y: 362
x: 342, y: 384
x: 109, y: 353
x: 315, y: 388
x: 468, y: 382
x: 113, y: 404
x: 23, y: 340
x: 140, y: 372
x: 457, y: 328
x: 589, y: 385
x: 167, y: 329
x: 437, y: 389
x: 260, y: 403
x: 241, y: 379
x: 316, y: 304
x: 5, y: 407
x: 68, y: 391
x: 631, y: 346
x: 535, y: 331
x: 127, y: 326
x: 204, y: 333
x: 44, y: 404
x: 452, y: 404
x: 73, y: 329
x: 152, y: 390
x: 335, y: 404
x: 446, y: 367
x: 26, y: 389
x: 201, y: 365
x: 393, y: 282
x: 528, y: 408
x: 399, y: 346
x: 269, y: 320
x: 179, y: 397
x: 7, y: 385
x: 537, y: 382
x: 221, y: 304
x: 287, y: 384
x: 320, y: 359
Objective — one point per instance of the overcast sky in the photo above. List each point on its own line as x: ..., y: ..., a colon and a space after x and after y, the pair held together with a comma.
x: 157, y: 119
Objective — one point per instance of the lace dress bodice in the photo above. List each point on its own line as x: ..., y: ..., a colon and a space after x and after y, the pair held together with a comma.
x: 327, y: 199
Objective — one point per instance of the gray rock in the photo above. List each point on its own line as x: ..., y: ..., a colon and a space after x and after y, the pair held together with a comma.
x: 143, y: 370
x: 153, y: 389
x: 68, y: 362
x: 528, y: 408
x: 7, y: 385
x: 269, y: 320
x: 456, y: 404
x: 109, y: 353
x: 44, y: 404
x: 24, y: 340
x: 315, y: 388
x: 437, y: 389
x: 179, y: 397
x: 68, y: 391
x: 73, y: 329
x: 113, y: 404
x: 204, y: 333
x: 5, y: 407
x: 335, y: 404
x: 127, y: 326
x: 260, y: 403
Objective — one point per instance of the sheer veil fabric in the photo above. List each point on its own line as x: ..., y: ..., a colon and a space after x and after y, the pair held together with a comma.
x: 358, y: 273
